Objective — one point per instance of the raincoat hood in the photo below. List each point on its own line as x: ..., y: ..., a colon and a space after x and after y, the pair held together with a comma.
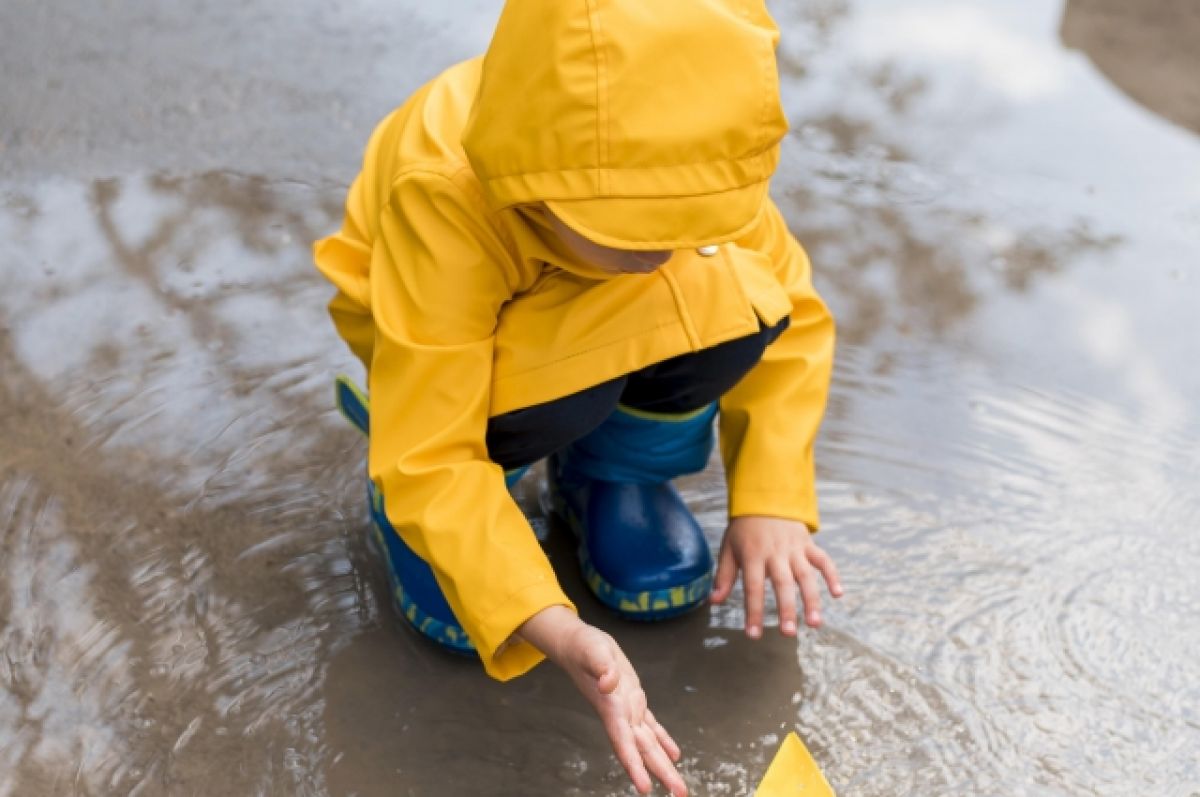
x: 641, y: 125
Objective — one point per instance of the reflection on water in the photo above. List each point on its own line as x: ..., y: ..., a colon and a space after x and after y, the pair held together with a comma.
x: 1008, y: 470
x: 175, y: 569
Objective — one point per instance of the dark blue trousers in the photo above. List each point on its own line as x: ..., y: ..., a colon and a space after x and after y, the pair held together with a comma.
x: 679, y: 385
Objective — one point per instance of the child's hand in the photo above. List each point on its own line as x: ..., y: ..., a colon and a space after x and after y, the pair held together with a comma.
x: 601, y: 672
x: 782, y: 550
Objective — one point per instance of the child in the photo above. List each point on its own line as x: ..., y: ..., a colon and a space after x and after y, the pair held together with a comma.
x: 566, y: 249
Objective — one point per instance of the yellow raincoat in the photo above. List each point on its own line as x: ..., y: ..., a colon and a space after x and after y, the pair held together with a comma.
x: 462, y: 304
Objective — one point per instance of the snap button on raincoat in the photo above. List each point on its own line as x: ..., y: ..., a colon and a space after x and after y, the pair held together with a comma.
x: 463, y: 304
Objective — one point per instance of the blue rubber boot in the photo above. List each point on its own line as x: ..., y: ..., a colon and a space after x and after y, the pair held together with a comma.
x: 415, y: 592
x: 642, y: 552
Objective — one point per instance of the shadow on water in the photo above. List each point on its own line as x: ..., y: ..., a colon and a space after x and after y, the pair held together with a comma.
x: 1007, y: 470
x: 408, y: 725
x: 1148, y: 50
x: 174, y: 561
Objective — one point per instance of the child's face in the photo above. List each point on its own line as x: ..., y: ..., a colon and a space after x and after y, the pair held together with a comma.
x: 606, y: 258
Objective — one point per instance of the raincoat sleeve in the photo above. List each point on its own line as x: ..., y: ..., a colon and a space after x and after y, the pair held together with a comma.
x: 769, y: 420
x: 439, y: 276
x: 344, y: 259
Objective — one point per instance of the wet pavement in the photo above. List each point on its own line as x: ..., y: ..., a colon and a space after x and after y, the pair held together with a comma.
x: 1002, y: 202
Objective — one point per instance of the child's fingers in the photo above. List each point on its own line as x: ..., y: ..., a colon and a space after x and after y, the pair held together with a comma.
x: 620, y: 734
x: 657, y: 761
x: 785, y: 595
x: 752, y: 579
x: 806, y: 577
x: 824, y: 562
x: 608, y: 682
x: 601, y: 665
x: 726, y: 574
x: 664, y: 738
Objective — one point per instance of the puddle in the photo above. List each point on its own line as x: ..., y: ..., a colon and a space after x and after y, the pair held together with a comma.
x: 1008, y: 467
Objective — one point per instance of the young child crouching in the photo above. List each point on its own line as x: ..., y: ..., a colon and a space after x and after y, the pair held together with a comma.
x: 566, y: 249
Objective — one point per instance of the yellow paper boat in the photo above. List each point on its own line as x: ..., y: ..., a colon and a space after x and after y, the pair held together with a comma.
x: 794, y: 773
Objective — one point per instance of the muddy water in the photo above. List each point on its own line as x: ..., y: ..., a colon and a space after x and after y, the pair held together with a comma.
x: 1009, y: 467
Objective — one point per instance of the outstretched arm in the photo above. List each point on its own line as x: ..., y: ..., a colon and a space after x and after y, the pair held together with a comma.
x: 769, y: 424
x: 600, y: 670
x: 438, y: 277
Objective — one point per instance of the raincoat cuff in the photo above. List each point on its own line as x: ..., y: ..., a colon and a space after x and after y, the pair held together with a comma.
x: 504, y: 659
x: 787, y: 504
